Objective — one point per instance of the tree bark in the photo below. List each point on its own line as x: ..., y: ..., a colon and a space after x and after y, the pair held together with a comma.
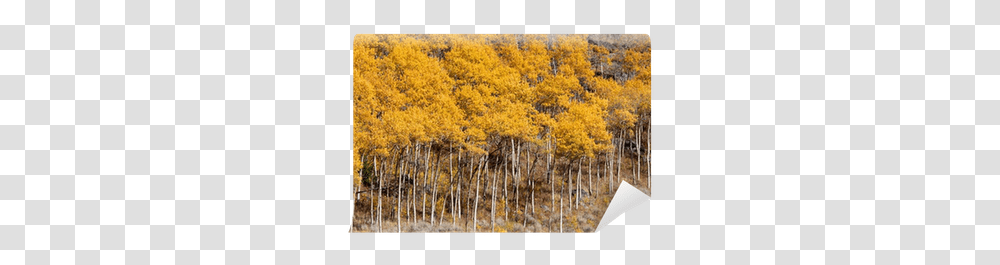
x: 423, y: 190
x: 579, y: 170
x: 380, y: 172
x: 608, y: 158
x: 451, y: 182
x: 413, y: 180
x: 621, y: 153
x: 506, y: 167
x: 638, y: 153
x: 569, y: 179
x: 475, y: 211
x: 649, y: 150
x: 516, y: 175
x: 552, y: 181
x: 493, y: 208
x: 590, y: 175
x: 371, y: 197
x: 399, y: 190
x: 434, y: 184
x: 531, y: 180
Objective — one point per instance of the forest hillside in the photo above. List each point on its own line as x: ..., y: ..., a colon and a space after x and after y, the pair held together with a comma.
x: 497, y: 133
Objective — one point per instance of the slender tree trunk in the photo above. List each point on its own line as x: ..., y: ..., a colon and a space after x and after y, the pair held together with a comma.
x: 459, y: 201
x: 638, y: 154
x: 579, y: 170
x: 616, y: 164
x: 434, y: 185
x: 590, y: 175
x: 569, y: 179
x: 516, y: 175
x: 552, y: 187
x: 611, y: 163
x: 493, y: 208
x: 506, y: 167
x: 621, y: 153
x: 569, y: 188
x: 471, y: 166
x: 475, y: 212
x: 608, y: 157
x: 548, y: 163
x: 616, y: 167
x: 399, y: 190
x: 531, y: 179
x: 423, y: 188
x: 649, y: 150
x: 434, y: 198
x: 457, y: 212
x: 402, y: 201
x: 451, y: 183
x: 394, y: 169
x: 474, y: 200
x: 380, y: 172
x: 483, y: 174
x: 371, y: 205
x: 413, y: 180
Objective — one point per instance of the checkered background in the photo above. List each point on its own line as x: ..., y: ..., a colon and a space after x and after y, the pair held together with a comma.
x: 218, y: 132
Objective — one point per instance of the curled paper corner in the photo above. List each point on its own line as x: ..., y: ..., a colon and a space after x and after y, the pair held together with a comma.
x: 626, y: 198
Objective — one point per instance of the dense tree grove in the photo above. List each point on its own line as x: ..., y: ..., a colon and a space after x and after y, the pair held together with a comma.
x: 496, y: 129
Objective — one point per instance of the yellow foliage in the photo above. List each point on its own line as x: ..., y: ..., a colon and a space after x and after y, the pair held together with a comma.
x: 469, y: 89
x: 580, y: 131
x: 480, y: 94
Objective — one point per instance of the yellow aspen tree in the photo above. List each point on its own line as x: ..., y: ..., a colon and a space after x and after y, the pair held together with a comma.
x: 435, y: 114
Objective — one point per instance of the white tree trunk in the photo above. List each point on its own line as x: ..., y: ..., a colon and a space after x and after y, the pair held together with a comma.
x: 395, y: 169
x: 579, y: 173
x: 414, y: 170
x: 475, y: 212
x: 506, y: 167
x: 621, y: 153
x: 590, y: 175
x: 434, y: 183
x: 451, y: 183
x: 423, y: 191
x: 380, y: 172
x: 371, y: 206
x: 638, y: 154
x: 493, y: 207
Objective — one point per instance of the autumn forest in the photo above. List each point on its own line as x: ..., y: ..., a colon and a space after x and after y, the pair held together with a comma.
x: 497, y: 133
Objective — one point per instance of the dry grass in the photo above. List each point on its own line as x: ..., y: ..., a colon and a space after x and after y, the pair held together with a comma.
x: 584, y: 218
x: 542, y: 218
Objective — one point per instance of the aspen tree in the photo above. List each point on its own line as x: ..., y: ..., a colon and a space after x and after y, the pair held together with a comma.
x: 496, y: 104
